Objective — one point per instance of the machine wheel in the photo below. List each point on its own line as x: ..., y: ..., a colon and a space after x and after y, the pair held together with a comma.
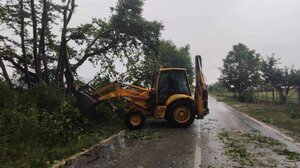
x: 181, y: 113
x: 135, y: 119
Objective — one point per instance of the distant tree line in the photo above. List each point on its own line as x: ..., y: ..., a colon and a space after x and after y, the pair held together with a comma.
x: 244, y: 70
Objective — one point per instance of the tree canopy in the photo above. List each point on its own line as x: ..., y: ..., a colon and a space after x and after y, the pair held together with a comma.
x: 38, y: 54
x: 243, y: 69
x: 169, y: 55
x: 240, y: 69
x: 283, y: 79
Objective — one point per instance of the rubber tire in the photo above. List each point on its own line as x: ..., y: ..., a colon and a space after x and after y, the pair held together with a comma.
x: 128, y: 116
x: 186, y: 103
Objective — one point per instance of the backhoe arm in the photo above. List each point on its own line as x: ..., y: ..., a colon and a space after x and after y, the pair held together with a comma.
x: 135, y: 94
x: 201, y: 95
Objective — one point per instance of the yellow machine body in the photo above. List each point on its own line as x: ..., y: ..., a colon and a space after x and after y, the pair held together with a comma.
x: 160, y: 110
x: 171, y: 88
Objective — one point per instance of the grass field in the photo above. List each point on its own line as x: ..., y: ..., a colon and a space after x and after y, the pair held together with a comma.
x: 286, y: 116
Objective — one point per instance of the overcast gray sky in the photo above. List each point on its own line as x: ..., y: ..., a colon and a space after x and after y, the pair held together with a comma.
x: 212, y: 27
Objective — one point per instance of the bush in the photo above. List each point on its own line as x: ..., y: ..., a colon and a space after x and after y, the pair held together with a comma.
x: 42, y: 124
x: 106, y: 115
x: 246, y: 96
x: 47, y: 97
x: 61, y: 126
x: 292, y: 110
x: 8, y: 97
x: 35, y: 119
x: 17, y: 130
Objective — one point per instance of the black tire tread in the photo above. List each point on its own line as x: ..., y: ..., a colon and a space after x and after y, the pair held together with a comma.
x: 127, y: 119
x: 182, y: 102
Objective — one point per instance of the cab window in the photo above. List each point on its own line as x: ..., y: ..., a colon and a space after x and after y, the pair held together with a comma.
x: 172, y: 82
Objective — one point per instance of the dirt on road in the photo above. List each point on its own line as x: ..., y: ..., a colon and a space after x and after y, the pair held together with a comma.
x: 225, y: 138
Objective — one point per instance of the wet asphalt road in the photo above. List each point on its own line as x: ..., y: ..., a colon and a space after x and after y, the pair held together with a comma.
x: 196, y: 146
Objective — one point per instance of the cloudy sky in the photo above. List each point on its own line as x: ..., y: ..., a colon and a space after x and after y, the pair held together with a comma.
x: 212, y: 27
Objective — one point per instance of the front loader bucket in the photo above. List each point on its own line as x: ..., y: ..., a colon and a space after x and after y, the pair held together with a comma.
x: 86, y: 104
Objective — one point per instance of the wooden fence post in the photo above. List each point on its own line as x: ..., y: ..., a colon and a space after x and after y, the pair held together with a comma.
x: 261, y: 94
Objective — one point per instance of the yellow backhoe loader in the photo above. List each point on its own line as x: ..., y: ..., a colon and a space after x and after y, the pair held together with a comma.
x: 170, y: 98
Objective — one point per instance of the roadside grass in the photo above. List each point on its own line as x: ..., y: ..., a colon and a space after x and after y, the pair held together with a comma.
x: 39, y: 155
x: 286, y: 116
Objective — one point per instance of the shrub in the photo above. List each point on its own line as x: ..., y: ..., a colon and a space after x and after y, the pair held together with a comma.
x: 8, y: 97
x: 35, y: 123
x: 37, y: 116
x: 48, y: 97
x: 106, y: 115
x: 293, y: 111
x: 246, y: 96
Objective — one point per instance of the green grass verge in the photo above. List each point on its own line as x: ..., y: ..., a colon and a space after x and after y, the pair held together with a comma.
x: 38, y: 155
x: 286, y: 116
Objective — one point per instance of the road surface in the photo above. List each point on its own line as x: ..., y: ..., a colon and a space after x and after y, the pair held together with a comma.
x: 158, y: 145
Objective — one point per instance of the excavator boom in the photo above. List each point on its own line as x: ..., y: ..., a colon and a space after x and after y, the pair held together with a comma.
x: 134, y: 94
x: 201, y: 95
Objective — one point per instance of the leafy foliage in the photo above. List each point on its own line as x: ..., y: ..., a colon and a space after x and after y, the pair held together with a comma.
x: 240, y: 69
x: 43, y: 56
x: 36, y: 122
x: 283, y: 79
x: 216, y: 88
x: 169, y: 56
x: 244, y: 70
x: 271, y: 73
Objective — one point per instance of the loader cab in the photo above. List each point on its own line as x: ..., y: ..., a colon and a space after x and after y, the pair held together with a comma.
x: 171, y: 81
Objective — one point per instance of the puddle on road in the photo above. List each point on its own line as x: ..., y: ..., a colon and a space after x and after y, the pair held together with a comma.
x: 254, y: 150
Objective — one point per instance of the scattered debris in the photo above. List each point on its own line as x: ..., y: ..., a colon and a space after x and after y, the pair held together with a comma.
x: 235, y: 149
x: 254, y: 150
x: 140, y: 134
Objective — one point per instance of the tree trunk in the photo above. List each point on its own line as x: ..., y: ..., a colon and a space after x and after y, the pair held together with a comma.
x: 282, y: 98
x: 69, y: 76
x: 287, y: 90
x: 62, y: 50
x: 3, y: 68
x: 37, y: 60
x: 240, y: 95
x: 63, y: 60
x: 42, y: 52
x: 22, y: 35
